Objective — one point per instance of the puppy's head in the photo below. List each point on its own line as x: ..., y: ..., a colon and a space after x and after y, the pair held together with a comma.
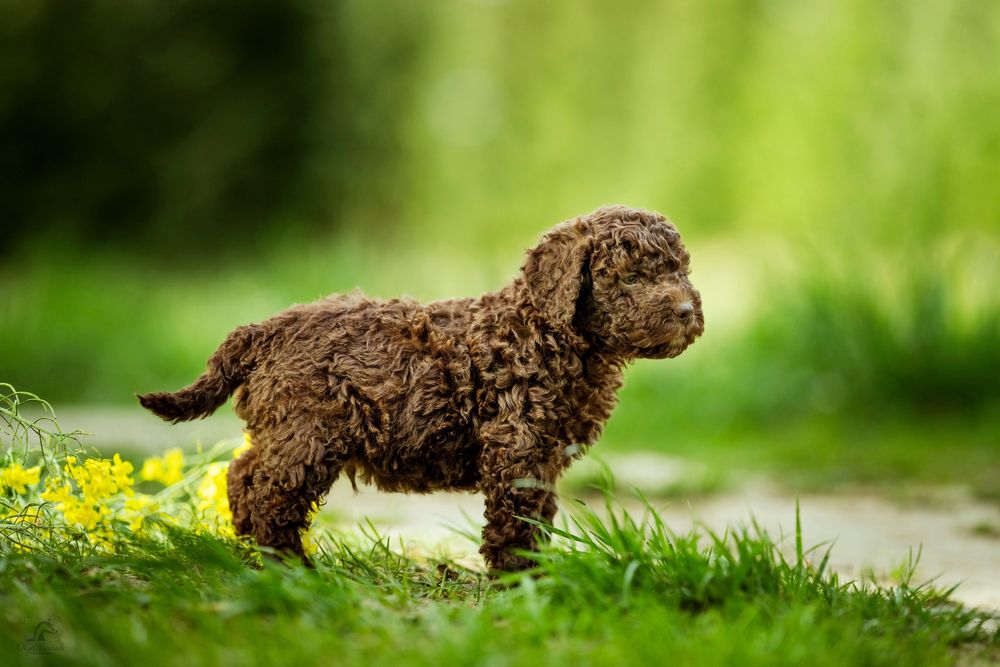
x: 619, y: 275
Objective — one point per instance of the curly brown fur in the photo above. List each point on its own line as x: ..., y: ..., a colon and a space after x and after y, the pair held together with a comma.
x: 485, y: 394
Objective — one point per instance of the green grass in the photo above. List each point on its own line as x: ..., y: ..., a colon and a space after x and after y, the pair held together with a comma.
x: 609, y: 591
x: 610, y: 587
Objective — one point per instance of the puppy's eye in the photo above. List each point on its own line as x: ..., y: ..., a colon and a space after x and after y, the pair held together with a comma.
x: 630, y: 279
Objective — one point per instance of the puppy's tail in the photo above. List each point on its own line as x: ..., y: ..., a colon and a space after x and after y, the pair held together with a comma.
x: 227, y: 369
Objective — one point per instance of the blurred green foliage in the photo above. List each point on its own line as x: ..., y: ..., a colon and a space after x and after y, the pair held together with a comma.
x: 199, y: 126
x: 190, y: 126
x: 170, y: 171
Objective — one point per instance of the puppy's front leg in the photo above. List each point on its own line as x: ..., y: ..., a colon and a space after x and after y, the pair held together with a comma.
x: 515, y: 485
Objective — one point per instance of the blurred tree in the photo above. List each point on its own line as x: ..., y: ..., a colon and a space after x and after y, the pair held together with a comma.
x: 195, y: 124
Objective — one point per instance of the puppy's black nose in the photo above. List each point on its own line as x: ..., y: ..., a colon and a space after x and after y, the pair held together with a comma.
x: 684, y: 310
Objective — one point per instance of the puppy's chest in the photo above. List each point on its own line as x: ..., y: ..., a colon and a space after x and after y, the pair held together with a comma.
x: 563, y: 400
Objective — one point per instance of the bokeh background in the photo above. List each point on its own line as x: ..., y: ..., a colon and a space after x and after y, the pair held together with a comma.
x: 169, y: 171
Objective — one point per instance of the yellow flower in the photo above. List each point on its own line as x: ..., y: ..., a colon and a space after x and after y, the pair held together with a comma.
x: 83, y: 513
x: 214, y: 514
x: 173, y: 462
x: 309, y: 547
x: 139, y: 503
x: 244, y: 446
x: 166, y: 470
x: 212, y: 491
x: 57, y: 491
x: 95, y: 479
x: 120, y: 471
x: 136, y: 510
x: 30, y: 527
x: 17, y: 478
x: 152, y: 469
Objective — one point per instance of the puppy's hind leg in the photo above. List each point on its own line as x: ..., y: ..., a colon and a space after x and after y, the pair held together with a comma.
x: 291, y: 475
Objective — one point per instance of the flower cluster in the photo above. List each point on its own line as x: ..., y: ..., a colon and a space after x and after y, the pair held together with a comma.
x: 17, y: 478
x: 86, y: 494
x: 213, y: 499
x: 213, y: 502
x: 166, y: 470
x: 92, y: 500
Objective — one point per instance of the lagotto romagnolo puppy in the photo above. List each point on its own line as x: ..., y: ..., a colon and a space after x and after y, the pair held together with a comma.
x: 482, y: 394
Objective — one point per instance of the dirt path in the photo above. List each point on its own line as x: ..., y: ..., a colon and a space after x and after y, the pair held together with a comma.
x: 867, y: 532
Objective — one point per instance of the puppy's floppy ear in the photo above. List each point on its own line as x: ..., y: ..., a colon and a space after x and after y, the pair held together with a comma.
x: 554, y: 271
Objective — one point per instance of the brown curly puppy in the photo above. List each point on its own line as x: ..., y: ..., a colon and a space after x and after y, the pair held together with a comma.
x: 486, y: 394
